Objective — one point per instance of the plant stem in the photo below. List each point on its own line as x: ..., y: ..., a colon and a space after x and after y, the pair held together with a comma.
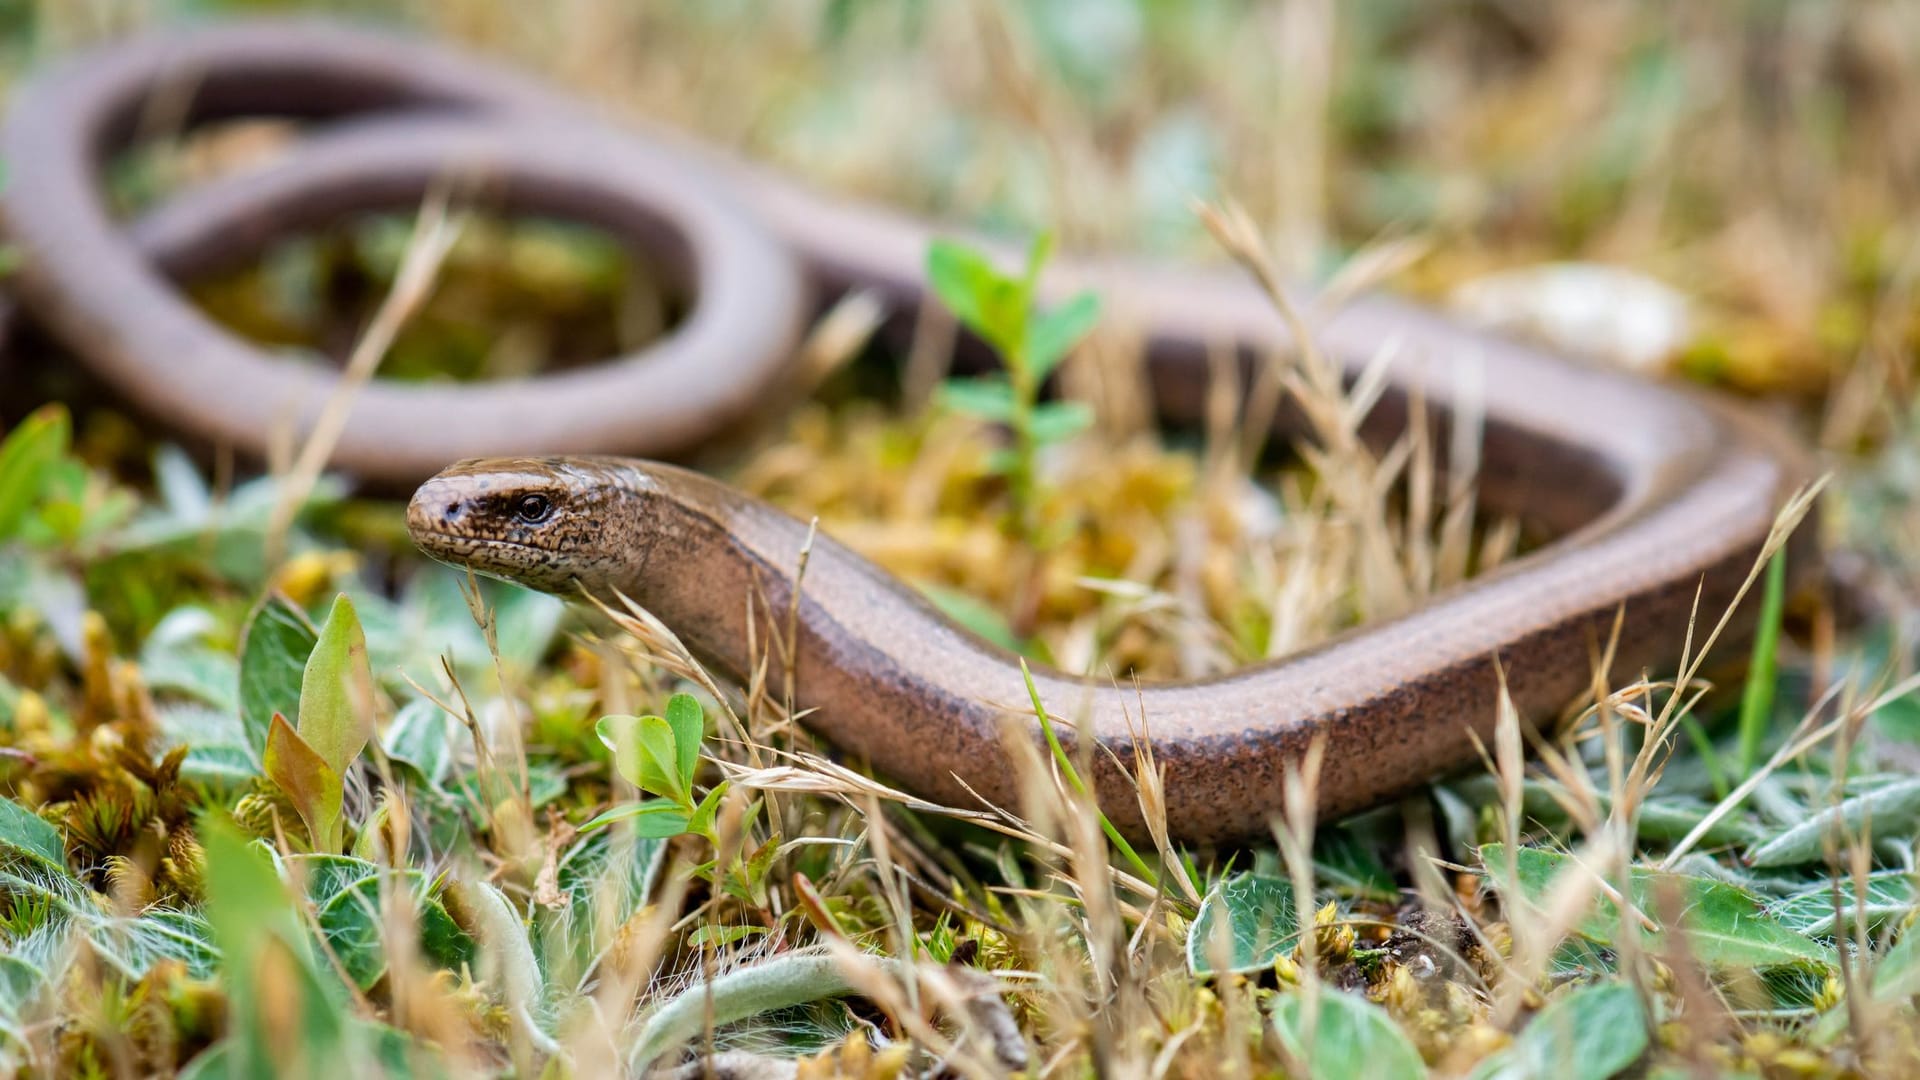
x: 1073, y: 779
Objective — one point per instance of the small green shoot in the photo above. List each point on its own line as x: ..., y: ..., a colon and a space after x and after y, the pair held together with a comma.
x: 336, y: 707
x: 660, y: 755
x: 1001, y: 309
x: 27, y: 459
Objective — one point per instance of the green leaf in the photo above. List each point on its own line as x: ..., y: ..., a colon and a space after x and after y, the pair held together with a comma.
x: 1350, y: 1037
x: 1888, y: 895
x: 1058, y: 420
x: 700, y: 822
x: 1051, y: 336
x: 1038, y: 252
x: 606, y: 876
x: 1344, y: 862
x: 418, y: 737
x: 689, y: 722
x: 1896, y: 978
x: 1258, y: 916
x: 505, y: 954
x: 308, y: 781
x: 376, y: 1049
x: 1756, y: 700
x: 25, y: 831
x: 157, y: 935
x: 645, y: 755
x: 182, y: 490
x: 1724, y: 923
x: 1897, y: 975
x: 1591, y: 1033
x: 524, y: 625
x: 273, y: 657
x: 21, y: 984
x: 269, y: 968
x: 209, y: 676
x: 1893, y: 808
x: 27, y: 460
x: 346, y: 905
x: 1660, y: 817
x: 654, y: 819
x: 336, y: 690
x: 985, y: 301
x: 246, y: 900
x: 1900, y: 719
x: 346, y: 897
x: 787, y: 980
x: 989, y: 398
x: 217, y: 751
x: 973, y: 613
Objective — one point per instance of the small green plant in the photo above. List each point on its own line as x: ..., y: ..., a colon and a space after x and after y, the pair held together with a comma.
x: 1001, y: 309
x: 659, y: 755
x: 336, y: 704
x: 49, y: 499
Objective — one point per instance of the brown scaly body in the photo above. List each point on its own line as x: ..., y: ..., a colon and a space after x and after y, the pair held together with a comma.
x: 888, y: 677
x: 1655, y: 493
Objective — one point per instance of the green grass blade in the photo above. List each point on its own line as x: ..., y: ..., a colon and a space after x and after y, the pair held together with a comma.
x: 1756, y: 700
x: 1073, y: 778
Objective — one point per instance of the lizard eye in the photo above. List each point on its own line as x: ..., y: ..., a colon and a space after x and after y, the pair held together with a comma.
x: 533, y: 509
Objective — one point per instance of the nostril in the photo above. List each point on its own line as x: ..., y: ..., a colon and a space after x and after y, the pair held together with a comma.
x: 453, y: 510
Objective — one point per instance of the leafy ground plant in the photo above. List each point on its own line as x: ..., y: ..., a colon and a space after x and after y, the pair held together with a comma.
x: 1002, y: 309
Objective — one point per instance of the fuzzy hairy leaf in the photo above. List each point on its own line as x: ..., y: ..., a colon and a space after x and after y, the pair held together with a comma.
x: 505, y: 957
x: 605, y: 878
x: 1724, y: 923
x: 418, y: 737
x: 21, y: 984
x: 24, y: 831
x: 1258, y: 917
x: 273, y: 658
x: 1888, y: 894
x: 793, y: 978
x: 134, y: 943
x: 209, y: 676
x: 1892, y: 808
x: 346, y: 896
x: 217, y: 751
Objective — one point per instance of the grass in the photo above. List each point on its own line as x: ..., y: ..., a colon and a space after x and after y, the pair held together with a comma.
x: 489, y: 835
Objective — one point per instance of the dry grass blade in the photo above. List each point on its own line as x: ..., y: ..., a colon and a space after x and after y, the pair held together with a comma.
x: 434, y: 233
